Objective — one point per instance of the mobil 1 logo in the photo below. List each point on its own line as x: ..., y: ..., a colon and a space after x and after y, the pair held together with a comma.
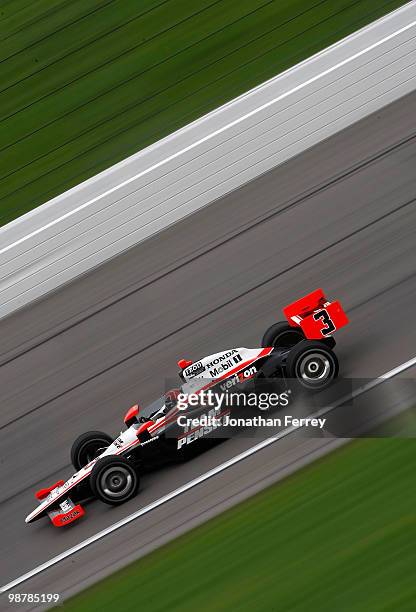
x: 224, y: 362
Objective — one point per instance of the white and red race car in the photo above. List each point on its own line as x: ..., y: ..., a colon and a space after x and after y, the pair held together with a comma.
x: 109, y: 469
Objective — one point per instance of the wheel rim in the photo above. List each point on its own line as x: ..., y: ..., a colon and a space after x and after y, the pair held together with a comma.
x: 314, y: 369
x: 288, y: 339
x: 116, y: 482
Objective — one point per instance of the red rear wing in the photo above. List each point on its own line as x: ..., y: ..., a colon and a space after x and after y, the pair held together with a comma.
x: 317, y: 317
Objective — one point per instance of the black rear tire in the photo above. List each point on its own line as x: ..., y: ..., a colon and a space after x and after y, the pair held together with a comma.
x: 87, y: 446
x: 114, y: 480
x: 282, y: 335
x: 313, y: 364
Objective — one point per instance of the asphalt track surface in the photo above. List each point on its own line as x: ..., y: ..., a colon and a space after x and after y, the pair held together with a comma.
x: 341, y: 216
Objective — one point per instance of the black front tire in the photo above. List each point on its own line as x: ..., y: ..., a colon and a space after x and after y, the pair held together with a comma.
x: 114, y: 480
x: 87, y: 446
x: 282, y: 335
x: 313, y: 364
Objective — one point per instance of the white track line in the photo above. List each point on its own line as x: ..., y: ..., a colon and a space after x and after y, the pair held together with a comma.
x: 196, y: 481
x: 211, y: 135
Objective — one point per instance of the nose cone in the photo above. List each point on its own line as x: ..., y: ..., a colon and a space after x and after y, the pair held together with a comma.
x: 30, y: 517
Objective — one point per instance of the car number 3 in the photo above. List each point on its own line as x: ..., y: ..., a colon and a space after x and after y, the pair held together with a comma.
x: 329, y: 326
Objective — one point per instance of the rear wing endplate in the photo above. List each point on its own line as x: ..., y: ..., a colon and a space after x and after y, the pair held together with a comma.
x: 316, y: 316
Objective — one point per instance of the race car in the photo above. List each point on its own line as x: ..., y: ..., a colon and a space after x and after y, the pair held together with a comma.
x: 108, y: 469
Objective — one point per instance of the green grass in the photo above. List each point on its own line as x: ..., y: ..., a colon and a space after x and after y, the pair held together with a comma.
x: 337, y: 536
x: 85, y: 83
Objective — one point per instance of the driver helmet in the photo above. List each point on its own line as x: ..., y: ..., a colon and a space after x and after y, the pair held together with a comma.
x: 171, y: 398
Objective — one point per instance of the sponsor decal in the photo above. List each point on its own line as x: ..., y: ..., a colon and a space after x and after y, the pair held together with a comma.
x: 223, y: 362
x: 69, y: 517
x: 118, y: 443
x: 57, y: 491
x: 149, y: 441
x: 221, y: 358
x: 213, y: 420
x: 239, y: 377
x: 194, y: 369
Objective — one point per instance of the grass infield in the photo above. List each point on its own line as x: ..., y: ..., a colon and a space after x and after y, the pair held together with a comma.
x: 337, y: 535
x: 85, y: 83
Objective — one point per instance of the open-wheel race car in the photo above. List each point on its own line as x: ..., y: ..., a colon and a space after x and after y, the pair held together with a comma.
x: 108, y: 469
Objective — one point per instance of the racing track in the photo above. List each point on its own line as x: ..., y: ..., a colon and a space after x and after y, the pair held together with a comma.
x: 341, y: 216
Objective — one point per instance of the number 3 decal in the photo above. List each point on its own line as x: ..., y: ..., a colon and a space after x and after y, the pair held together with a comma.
x: 326, y: 319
